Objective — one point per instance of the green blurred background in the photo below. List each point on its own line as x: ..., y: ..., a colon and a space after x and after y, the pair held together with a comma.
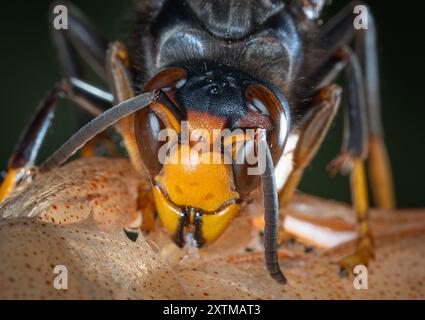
x: 29, y: 67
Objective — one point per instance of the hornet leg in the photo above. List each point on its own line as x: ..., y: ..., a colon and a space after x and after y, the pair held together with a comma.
x: 314, y: 128
x: 338, y: 33
x: 363, y: 134
x: 81, y: 40
x: 28, y: 146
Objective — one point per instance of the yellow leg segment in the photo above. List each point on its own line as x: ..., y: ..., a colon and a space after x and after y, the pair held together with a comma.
x: 380, y: 174
x: 285, y: 196
x: 8, y: 184
x: 364, y: 249
x: 290, y: 186
x: 89, y: 150
x: 118, y: 62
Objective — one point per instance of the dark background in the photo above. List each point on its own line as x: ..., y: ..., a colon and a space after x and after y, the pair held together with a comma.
x: 29, y: 67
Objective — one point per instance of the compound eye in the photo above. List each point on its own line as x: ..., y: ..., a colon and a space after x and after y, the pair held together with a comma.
x: 162, y: 114
x: 265, y: 111
x: 264, y: 104
x: 147, y: 127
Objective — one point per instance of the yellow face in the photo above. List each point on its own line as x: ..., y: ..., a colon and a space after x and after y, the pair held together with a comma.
x: 195, y: 195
